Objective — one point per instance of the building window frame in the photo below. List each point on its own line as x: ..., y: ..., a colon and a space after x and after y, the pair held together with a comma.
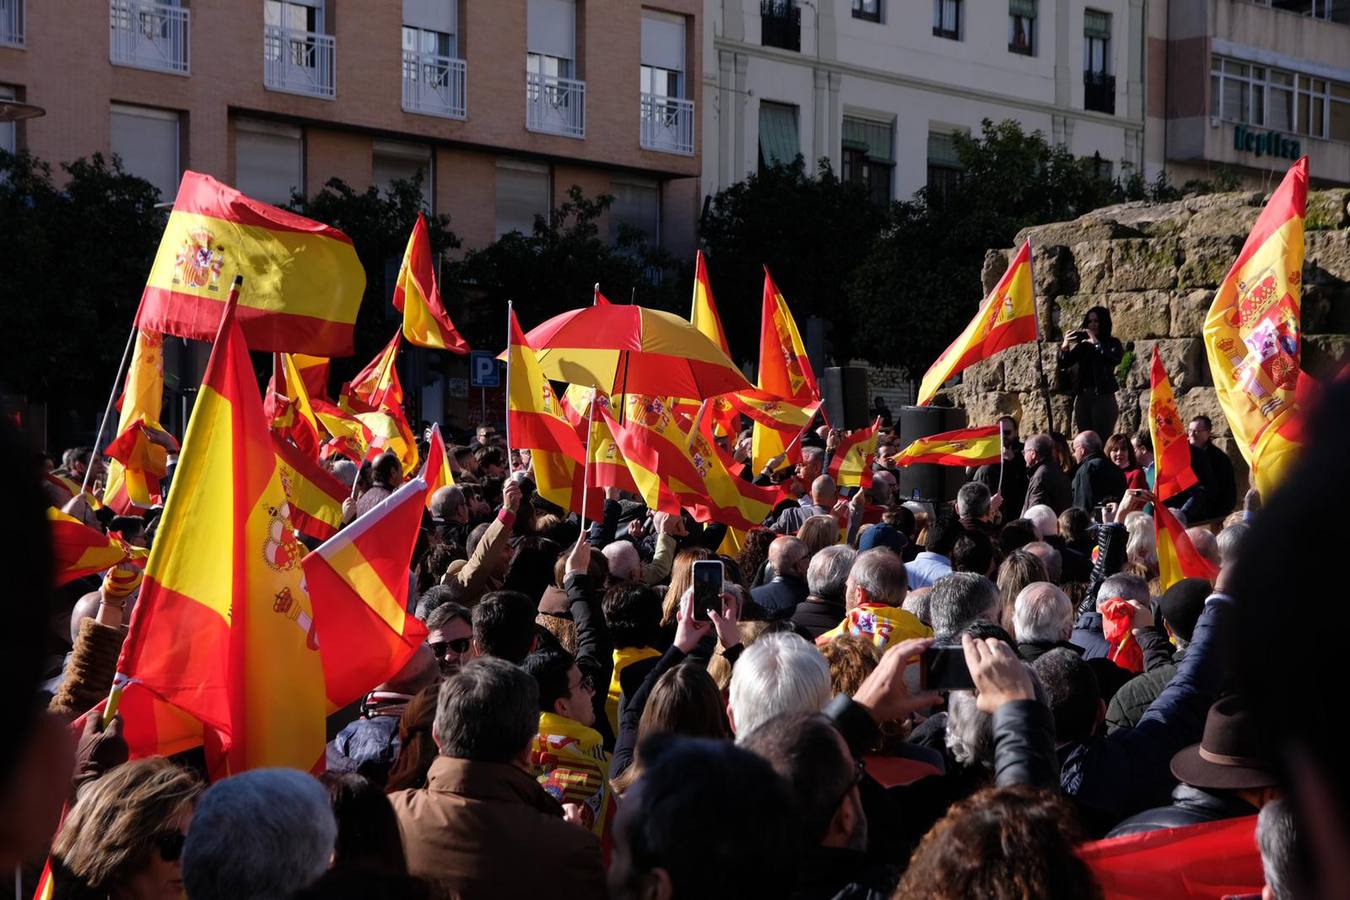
x: 867, y: 154
x: 782, y: 112
x: 1022, y: 16
x: 1314, y: 106
x: 945, y: 171
x: 1337, y: 11
x: 1099, y: 85
x: 780, y: 25
x: 867, y: 10
x: 947, y: 19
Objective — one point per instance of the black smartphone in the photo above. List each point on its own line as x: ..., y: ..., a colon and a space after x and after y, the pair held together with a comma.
x: 707, y: 588
x: 943, y: 668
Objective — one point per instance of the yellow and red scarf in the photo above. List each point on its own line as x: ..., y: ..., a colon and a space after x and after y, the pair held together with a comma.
x: 569, y: 761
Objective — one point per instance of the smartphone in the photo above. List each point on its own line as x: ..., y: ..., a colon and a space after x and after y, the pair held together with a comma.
x: 943, y: 668
x: 707, y: 588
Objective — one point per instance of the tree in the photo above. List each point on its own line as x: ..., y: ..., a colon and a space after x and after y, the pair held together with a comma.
x: 75, y: 259
x: 811, y: 231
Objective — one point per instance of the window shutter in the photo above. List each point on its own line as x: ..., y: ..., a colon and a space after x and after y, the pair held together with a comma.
x: 778, y: 132
x: 1096, y: 24
x: 552, y: 28
x: 663, y: 41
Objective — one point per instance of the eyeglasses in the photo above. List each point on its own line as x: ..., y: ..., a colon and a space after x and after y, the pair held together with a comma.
x: 459, y: 645
x: 587, y: 684
x: 859, y: 773
x: 170, y: 845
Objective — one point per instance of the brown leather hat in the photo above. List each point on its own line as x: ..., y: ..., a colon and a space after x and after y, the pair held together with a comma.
x: 1230, y: 756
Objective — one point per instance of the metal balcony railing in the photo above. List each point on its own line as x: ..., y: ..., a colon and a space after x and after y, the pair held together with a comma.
x: 434, y: 85
x: 667, y: 124
x: 1099, y: 92
x: 780, y: 24
x: 149, y: 35
x: 11, y: 23
x: 299, y: 62
x: 555, y: 105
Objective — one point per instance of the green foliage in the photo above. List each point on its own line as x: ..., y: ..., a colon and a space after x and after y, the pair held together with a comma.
x: 75, y: 257
x: 811, y: 231
x: 555, y: 268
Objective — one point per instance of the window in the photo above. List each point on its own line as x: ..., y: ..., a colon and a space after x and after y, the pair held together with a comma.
x: 662, y: 54
x: 11, y: 23
x: 396, y: 161
x: 869, y: 157
x: 9, y: 137
x: 1330, y: 10
x: 429, y: 27
x: 947, y: 19
x: 1279, y: 100
x: 1099, y: 86
x: 637, y: 204
x: 147, y: 142
x: 551, y: 51
x: 944, y: 166
x: 780, y: 24
x: 522, y: 194
x: 778, y: 141
x: 268, y: 160
x: 867, y: 9
x: 294, y: 15
x: 1022, y: 27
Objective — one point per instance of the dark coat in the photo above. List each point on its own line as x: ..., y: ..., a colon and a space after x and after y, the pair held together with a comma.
x: 1048, y: 485
x: 1215, y: 471
x: 1189, y: 806
x: 817, y: 615
x: 1014, y: 487
x: 1096, y: 365
x: 1087, y: 633
x: 1133, y: 699
x: 1096, y: 481
x: 367, y: 746
x: 779, y: 598
x: 834, y: 873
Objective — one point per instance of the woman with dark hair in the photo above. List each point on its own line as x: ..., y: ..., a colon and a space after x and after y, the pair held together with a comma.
x: 368, y: 837
x: 1093, y: 353
x: 417, y: 748
x: 1121, y: 452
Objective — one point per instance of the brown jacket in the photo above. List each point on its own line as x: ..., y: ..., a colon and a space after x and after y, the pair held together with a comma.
x: 489, y: 830
x: 475, y: 578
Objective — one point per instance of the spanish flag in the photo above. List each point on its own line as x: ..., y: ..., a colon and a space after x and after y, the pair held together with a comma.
x: 1007, y: 317
x: 1171, y: 450
x: 377, y: 384
x: 143, y: 453
x: 726, y: 498
x: 142, y: 401
x: 851, y: 465
x: 533, y: 414
x: 1252, y: 335
x: 304, y: 281
x: 608, y: 465
x: 963, y: 447
x: 288, y: 407
x: 786, y: 375
x: 436, y: 471
x: 350, y: 436
x: 78, y: 550
x: 375, y: 398
x: 358, y: 581
x: 643, y: 465
x: 224, y: 629
x: 703, y: 312
x: 313, y: 372
x: 313, y: 495
x: 425, y: 321
x: 1177, y: 556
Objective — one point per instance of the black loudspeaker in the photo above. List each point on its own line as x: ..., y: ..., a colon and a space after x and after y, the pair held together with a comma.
x: 845, y: 394
x: 928, y: 480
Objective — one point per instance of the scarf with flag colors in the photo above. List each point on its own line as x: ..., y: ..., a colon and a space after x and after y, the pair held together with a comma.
x: 1006, y: 318
x: 305, y: 282
x: 963, y: 447
x: 881, y: 624
x: 1177, y: 556
x: 425, y: 320
x: 851, y: 465
x: 569, y: 761
x: 141, y: 404
x: 436, y: 471
x: 1171, y: 450
x: 1252, y: 335
x: 78, y: 550
x: 623, y: 658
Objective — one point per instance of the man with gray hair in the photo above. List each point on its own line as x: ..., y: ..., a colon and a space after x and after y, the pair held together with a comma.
x: 975, y: 508
x: 450, y: 514
x: 778, y: 599
x: 959, y: 599
x: 259, y: 835
x: 1045, y: 520
x: 826, y: 579
x: 778, y: 674
x: 874, y: 597
x: 1049, y: 556
x: 1087, y: 631
x: 1046, y: 481
x: 1042, y: 620
x: 624, y: 562
x: 1277, y: 837
x: 820, y: 502
x: 481, y: 812
x: 1230, y: 542
x: 1097, y: 479
x: 1204, y: 542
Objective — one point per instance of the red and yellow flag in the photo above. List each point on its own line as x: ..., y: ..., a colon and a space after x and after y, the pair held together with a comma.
x: 288, y: 406
x: 223, y: 629
x: 313, y: 372
x: 726, y: 498
x: 785, y: 376
x: 313, y: 495
x: 1177, y: 556
x: 377, y: 384
x: 1007, y: 317
x: 436, y: 471
x: 142, y: 400
x: 638, y: 446
x: 703, y: 312
x: 425, y: 321
x: 533, y: 414
x: 375, y: 398
x: 359, y: 584
x: 350, y: 436
x: 851, y: 465
x: 142, y: 450
x: 1252, y: 335
x: 304, y: 282
x: 962, y: 447
x: 1171, y: 450
x: 78, y: 550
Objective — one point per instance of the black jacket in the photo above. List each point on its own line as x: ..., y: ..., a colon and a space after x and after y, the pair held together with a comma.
x: 1096, y: 481
x: 1189, y: 806
x: 1133, y: 699
x: 1049, y: 485
x: 1014, y: 486
x: 779, y: 598
x: 1215, y: 471
x: 1096, y: 365
x: 595, y: 650
x: 817, y: 615
x: 835, y: 873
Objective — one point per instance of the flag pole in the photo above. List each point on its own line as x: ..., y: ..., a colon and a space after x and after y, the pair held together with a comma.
x: 586, y: 466
x: 107, y: 410
x: 595, y: 295
x: 1040, y: 365
x: 506, y: 429
x: 1001, y: 459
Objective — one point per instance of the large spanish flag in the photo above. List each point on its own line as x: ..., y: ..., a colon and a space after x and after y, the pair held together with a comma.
x: 78, y: 550
x: 1171, y: 450
x: 313, y: 495
x: 639, y: 453
x: 142, y: 401
x: 962, y: 447
x: 425, y: 321
x: 534, y: 417
x: 436, y: 471
x: 359, y: 584
x: 223, y: 629
x: 1007, y: 317
x: 851, y: 465
x: 726, y: 498
x: 1177, y: 556
x: 786, y: 376
x: 304, y: 282
x: 1252, y: 335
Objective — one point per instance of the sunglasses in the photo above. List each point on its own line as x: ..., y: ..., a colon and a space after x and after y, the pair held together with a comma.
x: 459, y: 645
x: 170, y: 845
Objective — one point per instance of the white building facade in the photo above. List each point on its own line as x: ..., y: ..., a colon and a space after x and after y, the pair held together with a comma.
x: 879, y: 86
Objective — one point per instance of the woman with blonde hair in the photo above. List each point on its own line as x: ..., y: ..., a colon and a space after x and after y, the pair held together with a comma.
x: 681, y: 578
x: 819, y: 532
x: 124, y: 837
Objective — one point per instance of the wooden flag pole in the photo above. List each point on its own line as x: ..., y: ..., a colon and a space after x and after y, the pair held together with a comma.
x: 107, y: 410
x: 1040, y: 366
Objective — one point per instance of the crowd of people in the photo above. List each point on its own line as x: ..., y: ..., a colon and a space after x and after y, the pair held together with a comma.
x: 575, y: 726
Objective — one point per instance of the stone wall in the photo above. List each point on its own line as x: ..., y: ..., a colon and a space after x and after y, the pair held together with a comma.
x: 1156, y: 267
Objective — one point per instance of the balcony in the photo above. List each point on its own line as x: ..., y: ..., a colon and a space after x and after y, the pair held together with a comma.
x: 1099, y: 92
x: 433, y: 85
x: 11, y: 23
x: 780, y: 23
x: 667, y: 124
x: 149, y: 35
x: 555, y: 105
x: 299, y: 62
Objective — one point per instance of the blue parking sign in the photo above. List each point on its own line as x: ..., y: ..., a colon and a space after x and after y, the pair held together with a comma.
x: 483, y: 370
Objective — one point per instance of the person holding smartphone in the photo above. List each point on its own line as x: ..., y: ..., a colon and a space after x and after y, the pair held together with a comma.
x: 1087, y: 360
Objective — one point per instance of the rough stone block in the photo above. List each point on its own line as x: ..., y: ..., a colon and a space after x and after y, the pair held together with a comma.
x: 1129, y: 420
x: 1033, y: 418
x: 986, y: 375
x: 1325, y: 354
x: 1019, y: 366
x: 1203, y: 402
x: 1189, y: 311
x: 984, y: 407
x: 1184, y: 359
x: 995, y: 264
x: 1222, y: 221
x: 1207, y: 259
x: 1092, y: 264
x: 1052, y: 270
x: 1326, y: 257
x: 1142, y: 264
x: 1328, y: 209
x: 1139, y: 314
x: 1099, y: 226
